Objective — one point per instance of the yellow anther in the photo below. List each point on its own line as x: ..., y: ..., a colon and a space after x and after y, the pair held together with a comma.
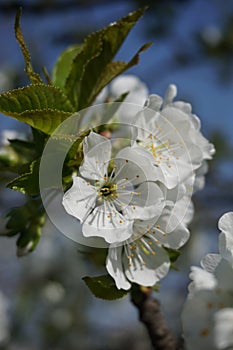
x: 204, y: 332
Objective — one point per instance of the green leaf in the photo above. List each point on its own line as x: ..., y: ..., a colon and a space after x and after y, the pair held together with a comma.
x: 28, y: 239
x: 18, y: 217
x: 34, y: 77
x: 20, y: 145
x: 104, y: 287
x: 63, y: 65
x: 173, y: 255
x: 111, y: 71
x: 27, y: 183
x: 39, y: 139
x: 26, y: 221
x: 43, y: 107
x: 90, y: 63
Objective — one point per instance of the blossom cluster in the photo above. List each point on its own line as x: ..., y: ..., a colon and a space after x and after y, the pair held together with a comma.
x: 138, y: 199
x: 208, y: 312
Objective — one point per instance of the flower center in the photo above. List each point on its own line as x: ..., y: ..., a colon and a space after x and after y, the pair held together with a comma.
x: 108, y: 190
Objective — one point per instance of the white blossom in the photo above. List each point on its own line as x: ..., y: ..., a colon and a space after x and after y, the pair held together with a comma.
x: 137, y: 90
x: 144, y: 260
x: 105, y: 201
x: 208, y: 312
x: 171, y: 133
x: 137, y: 95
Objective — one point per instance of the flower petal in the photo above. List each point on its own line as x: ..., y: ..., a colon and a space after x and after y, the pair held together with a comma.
x: 147, y: 202
x: 169, y: 230
x: 170, y: 94
x: 105, y: 221
x: 197, y: 321
x: 139, y: 166
x: 154, y: 102
x: 80, y: 199
x: 97, y: 153
x: 224, y: 275
x: 201, y: 279
x: 225, y: 225
x: 115, y: 268
x: 210, y: 262
x: 223, y: 328
x: 147, y: 269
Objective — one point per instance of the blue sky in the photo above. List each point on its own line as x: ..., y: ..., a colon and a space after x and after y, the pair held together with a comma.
x: 199, y: 84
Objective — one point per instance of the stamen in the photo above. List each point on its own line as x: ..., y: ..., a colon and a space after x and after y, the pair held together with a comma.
x: 147, y: 247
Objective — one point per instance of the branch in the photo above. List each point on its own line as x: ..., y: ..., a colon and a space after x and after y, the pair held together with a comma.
x: 161, y: 336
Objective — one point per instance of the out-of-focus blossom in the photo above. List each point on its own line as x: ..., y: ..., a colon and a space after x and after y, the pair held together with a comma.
x: 208, y: 312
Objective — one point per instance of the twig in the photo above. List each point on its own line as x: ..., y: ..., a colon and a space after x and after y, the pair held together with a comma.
x: 161, y: 336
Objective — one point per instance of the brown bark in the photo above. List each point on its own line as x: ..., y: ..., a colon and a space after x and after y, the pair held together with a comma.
x: 150, y: 314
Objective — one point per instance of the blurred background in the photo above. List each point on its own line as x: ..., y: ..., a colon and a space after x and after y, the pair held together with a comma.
x: 44, y: 304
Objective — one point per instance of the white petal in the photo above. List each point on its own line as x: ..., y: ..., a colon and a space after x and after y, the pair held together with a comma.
x: 225, y: 225
x: 137, y: 95
x: 223, y: 328
x: 174, y: 194
x: 197, y: 322
x: 97, y: 153
x: 183, y: 134
x: 115, y: 268
x: 154, y: 102
x: 147, y: 202
x: 184, y: 210
x: 224, y: 275
x: 156, y: 267
x: 101, y: 98
x: 127, y: 83
x: 107, y: 222
x: 169, y: 230
x: 140, y: 162
x: 170, y: 94
x: 210, y: 262
x: 80, y: 199
x: 184, y: 107
x: 201, y: 280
